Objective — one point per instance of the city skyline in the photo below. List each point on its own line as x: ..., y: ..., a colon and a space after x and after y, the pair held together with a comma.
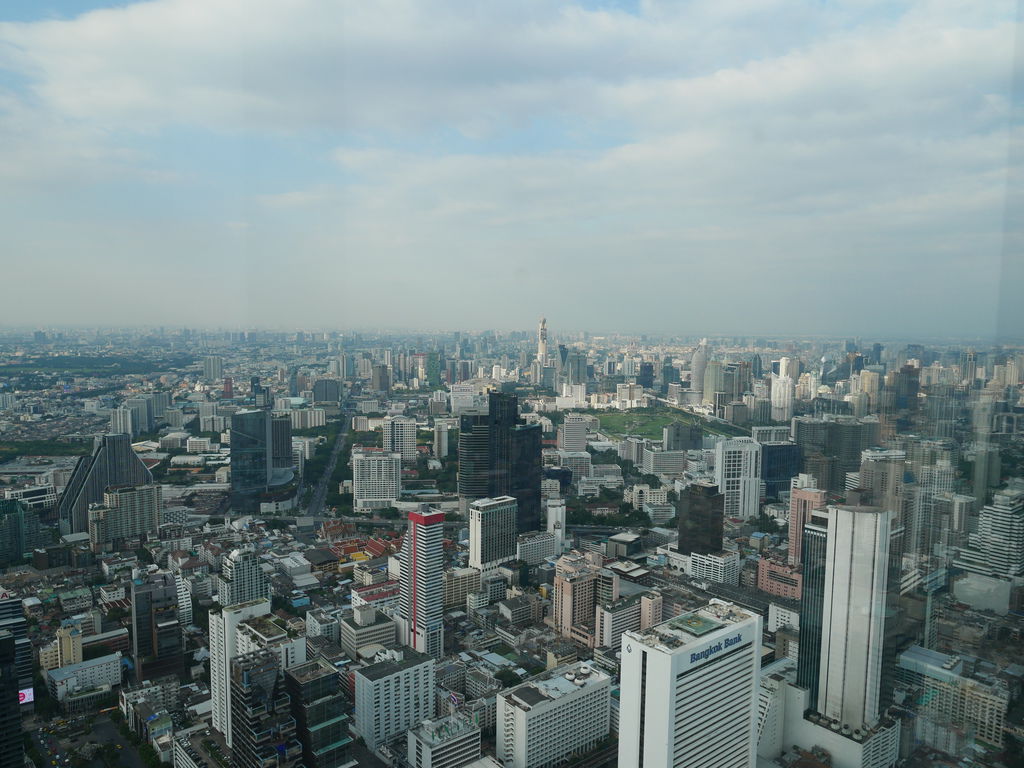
x: 849, y: 157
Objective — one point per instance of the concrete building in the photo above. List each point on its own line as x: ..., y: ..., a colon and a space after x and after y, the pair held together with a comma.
x: 392, y: 695
x: 627, y: 614
x: 446, y: 742
x: 572, y: 434
x: 242, y: 579
x: 738, y: 476
x: 421, y: 623
x: 552, y: 717
x: 400, y: 437
x: 689, y: 691
x: 224, y: 625
x: 128, y: 512
x: 376, y: 479
x: 366, y: 626
x: 492, y: 532
x: 261, y: 717
x: 84, y: 676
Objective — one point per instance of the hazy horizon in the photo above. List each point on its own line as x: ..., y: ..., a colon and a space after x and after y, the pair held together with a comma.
x: 735, y: 168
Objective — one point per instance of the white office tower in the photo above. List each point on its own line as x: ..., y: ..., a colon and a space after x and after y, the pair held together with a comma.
x: 224, y: 647
x: 542, y: 341
x: 492, y: 532
x: 556, y: 521
x: 572, y: 435
x: 689, y: 691
x: 698, y: 367
x: 783, y: 392
x: 853, y: 614
x: 393, y: 694
x: 994, y: 555
x: 422, y: 594
x: 400, y: 437
x: 242, y: 579
x: 552, y: 717
x: 738, y: 476
x: 440, y: 441
x: 376, y: 479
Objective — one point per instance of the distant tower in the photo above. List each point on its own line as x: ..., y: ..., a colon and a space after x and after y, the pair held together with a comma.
x: 542, y: 341
x: 698, y: 365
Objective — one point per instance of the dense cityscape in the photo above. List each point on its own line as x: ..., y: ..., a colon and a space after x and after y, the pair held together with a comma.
x: 515, y: 549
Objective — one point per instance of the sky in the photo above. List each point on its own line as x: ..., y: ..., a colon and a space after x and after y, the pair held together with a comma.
x: 714, y: 166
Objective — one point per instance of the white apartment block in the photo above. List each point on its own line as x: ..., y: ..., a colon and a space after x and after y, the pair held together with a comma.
x: 400, y: 437
x: 548, y: 719
x: 393, y: 695
x: 738, y: 476
x: 376, y: 479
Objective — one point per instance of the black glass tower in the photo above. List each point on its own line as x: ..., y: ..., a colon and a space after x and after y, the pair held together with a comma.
x: 812, y: 598
x: 701, y: 511
x: 12, y: 750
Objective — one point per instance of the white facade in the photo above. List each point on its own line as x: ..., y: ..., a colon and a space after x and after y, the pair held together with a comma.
x: 400, y: 437
x: 492, y: 532
x: 392, y: 695
x: 376, y: 479
x: 853, y: 620
x: 84, y: 676
x: 689, y: 691
x: 548, y: 719
x: 738, y: 476
x: 556, y: 520
x: 421, y: 601
x: 719, y: 567
x: 241, y: 579
x: 572, y: 435
x: 224, y: 647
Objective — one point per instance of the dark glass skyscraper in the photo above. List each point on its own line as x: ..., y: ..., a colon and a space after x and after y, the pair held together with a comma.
x: 316, y: 702
x: 251, y: 457
x: 812, y: 598
x: 701, y: 511
x: 12, y: 751
x: 780, y: 463
x: 262, y: 726
x: 515, y: 466
x: 474, y: 458
x: 156, y: 631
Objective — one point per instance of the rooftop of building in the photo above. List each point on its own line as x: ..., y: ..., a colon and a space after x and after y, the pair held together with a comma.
x: 555, y: 684
x: 444, y: 729
x: 311, y: 670
x: 406, y: 659
x: 688, y: 627
x: 64, y: 673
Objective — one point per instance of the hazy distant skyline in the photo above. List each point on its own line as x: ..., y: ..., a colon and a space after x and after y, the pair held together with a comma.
x: 724, y: 166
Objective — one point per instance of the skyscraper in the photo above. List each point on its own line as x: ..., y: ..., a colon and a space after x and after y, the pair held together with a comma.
x: 224, y: 625
x: 242, y: 579
x: 251, y: 457
x: 738, y: 476
x: 542, y: 341
x: 804, y: 498
x: 492, y: 532
x: 12, y: 620
x: 261, y: 716
x: 474, y: 459
x: 422, y: 603
x: 572, y: 434
x: 317, y: 703
x: 19, y: 531
x: 12, y: 750
x: 128, y: 512
x: 514, y: 458
x: 400, y: 437
x: 113, y: 462
x: 213, y: 368
x: 689, y: 691
x: 700, y: 510
x: 156, y: 631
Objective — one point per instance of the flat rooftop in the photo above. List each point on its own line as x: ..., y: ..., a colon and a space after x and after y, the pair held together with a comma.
x: 557, y: 683
x: 688, y: 627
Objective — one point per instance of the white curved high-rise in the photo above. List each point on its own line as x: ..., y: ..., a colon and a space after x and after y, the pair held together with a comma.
x: 698, y: 364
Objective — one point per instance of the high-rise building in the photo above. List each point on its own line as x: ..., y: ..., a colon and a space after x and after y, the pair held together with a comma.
x: 380, y: 378
x: 447, y: 742
x: 281, y: 441
x: 572, y: 434
x: 492, y: 532
x: 251, y: 457
x: 474, y: 461
x: 846, y: 556
x: 213, y: 368
x: 224, y: 624
x: 780, y: 463
x: 19, y: 531
x: 804, y: 498
x: 121, y: 422
x: 701, y: 514
x: 514, y: 459
x: 12, y: 620
x: 542, y: 341
x: 550, y: 718
x: 738, y: 476
x: 698, y: 367
x: 317, y: 706
x: 261, y: 716
x: 400, y: 437
x: 156, y: 632
x: 113, y: 462
x: 689, y: 691
x: 242, y: 579
x: 376, y: 478
x: 12, y: 746
x: 679, y: 436
x: 580, y: 585
x: 393, y: 694
x: 997, y: 548
x: 422, y: 604
x: 440, y: 441
x: 142, y: 413
x: 129, y: 512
